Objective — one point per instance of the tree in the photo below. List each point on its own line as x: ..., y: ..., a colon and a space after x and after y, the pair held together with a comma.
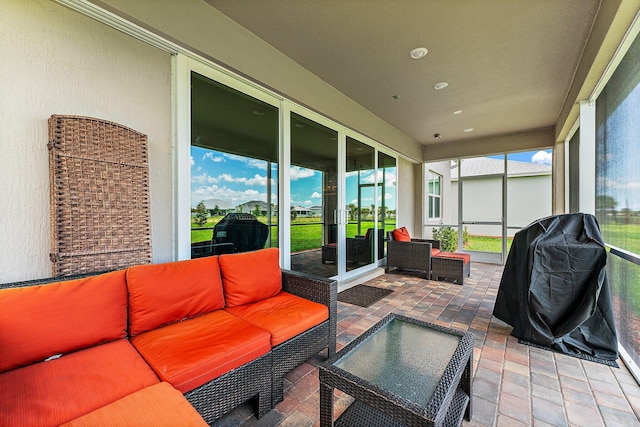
x: 294, y: 213
x: 256, y: 211
x: 201, y: 215
x: 352, y: 212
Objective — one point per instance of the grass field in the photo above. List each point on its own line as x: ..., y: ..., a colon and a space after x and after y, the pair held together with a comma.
x: 624, y: 276
x: 487, y: 244
x: 306, y: 233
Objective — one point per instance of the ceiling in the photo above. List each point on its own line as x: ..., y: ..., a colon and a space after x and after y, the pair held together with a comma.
x: 508, y: 63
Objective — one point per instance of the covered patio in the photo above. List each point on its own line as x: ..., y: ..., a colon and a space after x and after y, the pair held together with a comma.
x: 514, y: 384
x: 545, y: 75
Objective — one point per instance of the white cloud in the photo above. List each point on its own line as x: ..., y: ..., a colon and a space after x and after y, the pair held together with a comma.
x: 316, y: 195
x: 296, y: 173
x: 258, y: 180
x: 192, y: 161
x: 390, y: 178
x: 203, y: 179
x: 213, y: 158
x: 307, y: 203
x: 542, y: 157
x: 253, y: 163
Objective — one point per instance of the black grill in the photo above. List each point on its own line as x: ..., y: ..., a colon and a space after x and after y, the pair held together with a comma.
x: 243, y: 230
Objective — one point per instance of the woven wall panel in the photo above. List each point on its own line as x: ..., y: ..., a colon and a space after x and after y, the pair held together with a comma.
x: 100, y: 215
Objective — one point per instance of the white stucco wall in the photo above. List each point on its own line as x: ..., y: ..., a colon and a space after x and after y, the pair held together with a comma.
x: 406, y: 190
x: 528, y: 198
x: 56, y: 61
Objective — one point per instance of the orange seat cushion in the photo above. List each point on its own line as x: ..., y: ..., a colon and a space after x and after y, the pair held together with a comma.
x: 160, y: 294
x: 401, y: 234
x: 250, y: 276
x: 465, y: 257
x: 60, y: 390
x: 435, y: 251
x: 156, y: 405
x: 41, y: 321
x: 284, y: 315
x: 191, y: 353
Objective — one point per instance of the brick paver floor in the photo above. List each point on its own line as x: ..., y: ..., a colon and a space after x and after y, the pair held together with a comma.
x: 514, y: 384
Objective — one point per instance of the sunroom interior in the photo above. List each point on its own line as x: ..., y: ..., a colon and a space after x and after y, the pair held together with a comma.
x: 319, y: 119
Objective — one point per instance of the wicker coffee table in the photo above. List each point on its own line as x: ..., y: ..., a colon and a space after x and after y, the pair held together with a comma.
x: 401, y: 372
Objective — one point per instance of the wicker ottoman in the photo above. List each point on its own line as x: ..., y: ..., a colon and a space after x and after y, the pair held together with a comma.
x: 451, y: 265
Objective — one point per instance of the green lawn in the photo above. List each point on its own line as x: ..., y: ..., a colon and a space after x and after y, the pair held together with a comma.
x: 487, y: 244
x: 624, y: 276
x: 306, y: 233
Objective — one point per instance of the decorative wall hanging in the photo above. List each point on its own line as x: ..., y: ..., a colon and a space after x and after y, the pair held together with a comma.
x: 99, y: 178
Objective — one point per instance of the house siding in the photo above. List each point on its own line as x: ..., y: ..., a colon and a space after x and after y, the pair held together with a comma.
x: 57, y: 61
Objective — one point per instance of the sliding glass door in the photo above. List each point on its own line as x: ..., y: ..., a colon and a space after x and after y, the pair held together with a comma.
x: 234, y: 169
x: 314, y: 185
x: 263, y: 172
x: 360, y: 204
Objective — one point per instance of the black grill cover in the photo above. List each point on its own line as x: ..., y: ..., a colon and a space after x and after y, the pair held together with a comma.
x: 554, y: 289
x: 243, y: 230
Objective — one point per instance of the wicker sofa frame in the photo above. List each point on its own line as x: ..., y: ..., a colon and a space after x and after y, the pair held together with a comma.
x: 413, y: 255
x: 262, y: 379
x: 293, y: 352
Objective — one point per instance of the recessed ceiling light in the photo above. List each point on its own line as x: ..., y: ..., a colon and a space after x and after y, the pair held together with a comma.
x: 396, y: 96
x: 418, y: 53
x: 468, y: 130
x: 440, y: 85
x: 457, y: 112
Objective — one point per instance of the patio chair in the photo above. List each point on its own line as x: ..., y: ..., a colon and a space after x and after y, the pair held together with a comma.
x: 414, y: 254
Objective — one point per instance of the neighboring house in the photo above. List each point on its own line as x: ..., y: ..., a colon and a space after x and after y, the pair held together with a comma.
x: 302, y: 212
x: 528, y: 194
x: 316, y: 210
x: 250, y: 207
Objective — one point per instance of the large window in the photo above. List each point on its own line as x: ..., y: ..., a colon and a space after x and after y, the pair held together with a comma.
x: 483, y: 201
x: 618, y: 192
x: 435, y: 195
x: 234, y: 169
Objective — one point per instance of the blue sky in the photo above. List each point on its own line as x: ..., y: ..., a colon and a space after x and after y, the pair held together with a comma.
x: 237, y: 179
x: 541, y: 156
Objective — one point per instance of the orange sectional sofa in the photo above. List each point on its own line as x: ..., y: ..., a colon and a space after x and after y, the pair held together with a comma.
x: 178, y: 343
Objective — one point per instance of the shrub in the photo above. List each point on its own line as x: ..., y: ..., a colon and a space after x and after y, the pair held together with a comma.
x: 448, y: 238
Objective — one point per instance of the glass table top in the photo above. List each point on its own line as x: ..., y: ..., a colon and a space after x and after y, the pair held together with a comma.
x: 404, y: 358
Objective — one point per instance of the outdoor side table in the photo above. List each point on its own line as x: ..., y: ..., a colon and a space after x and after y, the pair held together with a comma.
x: 401, y: 372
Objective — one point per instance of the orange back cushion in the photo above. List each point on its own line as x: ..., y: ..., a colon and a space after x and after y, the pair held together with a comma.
x: 401, y: 234
x: 38, y: 322
x: 250, y: 276
x: 160, y: 294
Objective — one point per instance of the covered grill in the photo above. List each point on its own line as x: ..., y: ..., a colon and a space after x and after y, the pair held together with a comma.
x: 243, y: 230
x: 554, y: 289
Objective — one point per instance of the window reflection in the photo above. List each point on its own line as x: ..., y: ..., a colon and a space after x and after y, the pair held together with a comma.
x: 361, y: 204
x: 234, y: 170
x: 314, y: 197
x: 387, y: 198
